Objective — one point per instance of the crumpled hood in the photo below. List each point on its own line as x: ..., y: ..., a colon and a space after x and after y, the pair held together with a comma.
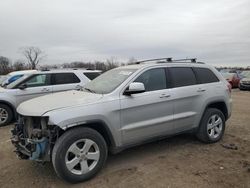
x: 245, y: 79
x: 39, y: 106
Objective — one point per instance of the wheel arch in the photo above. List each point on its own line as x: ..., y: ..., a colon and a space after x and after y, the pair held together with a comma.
x: 99, y: 126
x: 220, y: 105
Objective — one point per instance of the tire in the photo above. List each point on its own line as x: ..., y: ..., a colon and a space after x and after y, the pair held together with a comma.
x: 207, y: 127
x: 65, y: 151
x: 7, y: 113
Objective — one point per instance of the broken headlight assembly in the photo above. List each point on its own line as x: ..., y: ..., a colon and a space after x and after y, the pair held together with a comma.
x: 33, y: 138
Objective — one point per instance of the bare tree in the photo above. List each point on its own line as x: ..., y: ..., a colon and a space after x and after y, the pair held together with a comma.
x: 33, y: 55
x: 111, y: 63
x: 19, y: 65
x: 132, y: 61
x: 5, y: 65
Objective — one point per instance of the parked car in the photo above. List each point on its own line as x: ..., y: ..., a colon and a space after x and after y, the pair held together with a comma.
x: 13, y: 76
x: 2, y: 78
x: 245, y: 81
x: 229, y: 71
x: 232, y: 78
x: 121, y: 108
x: 39, y: 84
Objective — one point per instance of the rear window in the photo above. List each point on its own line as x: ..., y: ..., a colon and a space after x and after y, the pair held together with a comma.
x: 205, y: 75
x: 182, y: 76
x: 65, y: 78
x: 92, y: 75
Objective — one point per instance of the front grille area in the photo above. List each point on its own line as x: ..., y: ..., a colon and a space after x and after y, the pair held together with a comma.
x: 32, y: 138
x: 246, y: 83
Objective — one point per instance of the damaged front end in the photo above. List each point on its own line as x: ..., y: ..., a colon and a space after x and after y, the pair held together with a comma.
x: 33, y: 138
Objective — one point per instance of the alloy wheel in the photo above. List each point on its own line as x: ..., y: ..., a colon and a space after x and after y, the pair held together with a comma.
x: 82, y: 156
x: 3, y: 115
x: 214, y: 126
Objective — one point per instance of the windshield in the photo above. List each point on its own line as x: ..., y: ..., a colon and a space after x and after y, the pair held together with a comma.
x: 109, y: 81
x: 15, y: 83
x: 246, y: 74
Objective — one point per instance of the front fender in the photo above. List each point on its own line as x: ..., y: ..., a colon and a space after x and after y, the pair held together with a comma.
x: 84, y: 115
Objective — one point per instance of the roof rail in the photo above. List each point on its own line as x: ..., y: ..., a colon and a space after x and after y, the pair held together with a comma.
x: 45, y: 69
x: 170, y: 60
x: 192, y: 60
x: 167, y: 59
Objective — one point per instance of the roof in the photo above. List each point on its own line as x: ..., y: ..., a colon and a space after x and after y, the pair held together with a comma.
x: 67, y: 70
x: 22, y: 72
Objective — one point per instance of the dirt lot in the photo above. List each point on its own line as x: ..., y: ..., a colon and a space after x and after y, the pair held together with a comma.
x: 181, y: 161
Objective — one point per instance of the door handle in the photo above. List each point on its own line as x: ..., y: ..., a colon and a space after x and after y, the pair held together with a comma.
x: 165, y: 96
x: 201, y: 90
x: 45, y: 89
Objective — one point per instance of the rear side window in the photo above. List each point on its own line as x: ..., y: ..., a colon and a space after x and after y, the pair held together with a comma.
x: 92, y: 75
x: 205, y: 75
x: 154, y: 79
x: 182, y: 76
x: 65, y: 78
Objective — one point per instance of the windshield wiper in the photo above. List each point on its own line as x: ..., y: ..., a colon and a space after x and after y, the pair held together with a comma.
x: 90, y: 90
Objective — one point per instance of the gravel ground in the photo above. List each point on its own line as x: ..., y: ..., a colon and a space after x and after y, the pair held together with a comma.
x: 181, y: 161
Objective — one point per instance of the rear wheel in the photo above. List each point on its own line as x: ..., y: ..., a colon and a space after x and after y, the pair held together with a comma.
x: 212, y: 126
x: 6, y: 115
x: 79, y: 154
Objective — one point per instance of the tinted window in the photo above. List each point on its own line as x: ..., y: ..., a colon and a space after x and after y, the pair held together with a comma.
x: 205, y: 75
x: 154, y: 79
x: 182, y: 76
x: 65, y: 78
x: 38, y: 80
x: 92, y: 75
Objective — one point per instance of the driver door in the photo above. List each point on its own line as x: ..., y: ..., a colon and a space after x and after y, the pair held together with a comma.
x: 149, y: 114
x: 35, y: 86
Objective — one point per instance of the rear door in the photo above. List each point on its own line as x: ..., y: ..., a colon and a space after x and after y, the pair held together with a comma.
x: 65, y: 81
x: 36, y: 85
x: 187, y: 97
x: 147, y: 114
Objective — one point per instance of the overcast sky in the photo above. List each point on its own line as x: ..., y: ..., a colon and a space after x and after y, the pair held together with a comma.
x: 215, y: 31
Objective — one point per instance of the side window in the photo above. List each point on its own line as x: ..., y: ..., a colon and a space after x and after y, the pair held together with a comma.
x: 38, y: 80
x: 154, y: 79
x: 182, y: 76
x: 65, y: 78
x: 91, y: 75
x: 205, y: 75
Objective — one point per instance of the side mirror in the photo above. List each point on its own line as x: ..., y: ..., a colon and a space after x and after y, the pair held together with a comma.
x: 135, y: 87
x: 22, y: 86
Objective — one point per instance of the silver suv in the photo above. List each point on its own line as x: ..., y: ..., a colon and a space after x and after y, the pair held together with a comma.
x: 121, y: 108
x: 38, y: 84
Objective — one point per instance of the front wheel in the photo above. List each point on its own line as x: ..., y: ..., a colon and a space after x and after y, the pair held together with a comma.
x: 212, y: 126
x: 79, y: 154
x: 6, y: 115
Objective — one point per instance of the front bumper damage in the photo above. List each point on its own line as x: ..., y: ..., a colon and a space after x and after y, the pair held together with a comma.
x: 33, y: 141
